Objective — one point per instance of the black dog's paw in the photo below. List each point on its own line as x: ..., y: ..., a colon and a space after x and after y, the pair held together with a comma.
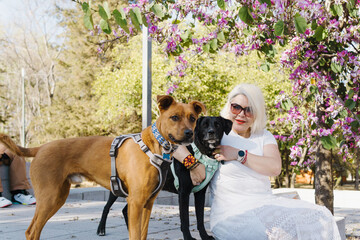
x: 207, y: 237
x: 101, y: 232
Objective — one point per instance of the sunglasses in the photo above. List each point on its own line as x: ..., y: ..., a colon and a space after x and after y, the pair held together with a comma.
x: 237, y: 109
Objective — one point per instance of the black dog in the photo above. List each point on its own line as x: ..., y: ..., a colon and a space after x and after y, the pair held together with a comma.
x: 5, y: 159
x: 208, y: 134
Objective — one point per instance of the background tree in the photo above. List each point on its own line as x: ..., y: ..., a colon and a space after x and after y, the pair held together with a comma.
x: 321, y: 38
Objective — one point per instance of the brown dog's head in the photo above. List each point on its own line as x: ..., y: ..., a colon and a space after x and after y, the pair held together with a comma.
x: 177, y: 121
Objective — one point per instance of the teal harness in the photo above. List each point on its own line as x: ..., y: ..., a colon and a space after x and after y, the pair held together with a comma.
x: 211, y: 165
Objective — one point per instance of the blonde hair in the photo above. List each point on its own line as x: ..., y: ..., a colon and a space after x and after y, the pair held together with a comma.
x: 256, y: 102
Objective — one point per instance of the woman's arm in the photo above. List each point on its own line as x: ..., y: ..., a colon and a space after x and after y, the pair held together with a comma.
x: 197, y: 174
x: 269, y: 164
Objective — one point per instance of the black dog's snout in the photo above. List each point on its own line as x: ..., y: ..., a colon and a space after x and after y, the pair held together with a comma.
x: 211, y: 131
x: 188, y: 133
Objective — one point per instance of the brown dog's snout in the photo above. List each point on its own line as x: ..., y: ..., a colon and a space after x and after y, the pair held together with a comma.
x: 188, y: 133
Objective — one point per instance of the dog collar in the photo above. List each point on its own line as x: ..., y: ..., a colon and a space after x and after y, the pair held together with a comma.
x: 162, y: 141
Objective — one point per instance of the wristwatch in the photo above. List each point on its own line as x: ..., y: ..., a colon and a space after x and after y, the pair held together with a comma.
x: 242, y: 156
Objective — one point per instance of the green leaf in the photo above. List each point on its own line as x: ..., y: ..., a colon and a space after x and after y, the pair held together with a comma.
x: 268, y: 2
x: 338, y: 8
x: 245, y: 15
x: 123, y: 14
x: 144, y: 21
x: 314, y: 89
x: 104, y: 25
x: 135, y: 20
x: 319, y: 34
x: 265, y: 67
x: 300, y: 23
x: 157, y: 10
x: 343, y: 113
x: 213, y: 44
x: 85, y: 7
x: 351, y: 93
x: 221, y: 37
x: 120, y: 20
x: 314, y: 25
x: 355, y: 125
x: 185, y: 35
x: 287, y: 104
x: 107, y: 10
x: 328, y: 142
x: 279, y: 28
x: 336, y: 68
x: 88, y: 20
x: 138, y: 15
x: 206, y: 48
x: 103, y: 13
x: 350, y: 104
x: 221, y: 4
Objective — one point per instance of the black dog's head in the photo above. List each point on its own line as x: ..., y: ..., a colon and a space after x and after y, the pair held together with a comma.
x: 208, y: 133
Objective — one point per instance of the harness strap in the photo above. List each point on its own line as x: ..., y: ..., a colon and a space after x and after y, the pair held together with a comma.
x: 115, y: 183
x: 211, y: 165
x: 161, y: 163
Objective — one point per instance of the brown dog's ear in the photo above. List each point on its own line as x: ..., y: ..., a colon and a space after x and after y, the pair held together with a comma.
x: 227, y: 125
x: 198, y: 106
x: 164, y: 102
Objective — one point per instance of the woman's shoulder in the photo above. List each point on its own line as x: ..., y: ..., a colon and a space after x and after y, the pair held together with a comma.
x: 265, y: 135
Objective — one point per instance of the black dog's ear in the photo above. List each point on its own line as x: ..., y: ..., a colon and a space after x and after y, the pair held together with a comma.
x: 164, y: 102
x: 227, y: 124
x: 198, y: 122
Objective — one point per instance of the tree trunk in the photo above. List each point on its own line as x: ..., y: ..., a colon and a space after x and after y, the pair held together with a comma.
x: 357, y: 157
x: 324, y: 194
x: 292, y: 180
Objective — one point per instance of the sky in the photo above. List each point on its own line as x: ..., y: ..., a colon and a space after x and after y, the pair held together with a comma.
x: 30, y: 15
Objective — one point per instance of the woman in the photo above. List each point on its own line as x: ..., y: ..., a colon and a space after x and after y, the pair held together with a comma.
x: 243, y: 206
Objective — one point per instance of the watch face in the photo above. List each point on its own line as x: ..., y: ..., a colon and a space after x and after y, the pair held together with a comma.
x: 241, y: 153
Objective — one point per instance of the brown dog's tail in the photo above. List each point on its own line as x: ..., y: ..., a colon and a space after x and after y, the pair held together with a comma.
x: 20, y: 151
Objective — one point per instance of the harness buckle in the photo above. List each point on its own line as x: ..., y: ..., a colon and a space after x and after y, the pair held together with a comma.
x: 114, y: 184
x: 144, y: 148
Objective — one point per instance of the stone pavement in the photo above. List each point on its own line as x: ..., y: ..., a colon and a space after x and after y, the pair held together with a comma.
x: 79, y: 218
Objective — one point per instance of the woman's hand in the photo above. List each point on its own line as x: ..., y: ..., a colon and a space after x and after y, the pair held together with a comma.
x: 226, y: 153
x: 198, y: 174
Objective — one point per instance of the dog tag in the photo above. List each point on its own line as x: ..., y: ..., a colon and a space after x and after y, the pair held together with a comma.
x: 166, y: 156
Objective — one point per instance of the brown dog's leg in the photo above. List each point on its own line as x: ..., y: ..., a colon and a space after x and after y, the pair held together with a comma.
x: 146, y: 217
x: 51, y: 200
x: 135, y: 209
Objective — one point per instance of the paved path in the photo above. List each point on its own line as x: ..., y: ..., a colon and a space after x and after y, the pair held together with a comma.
x: 78, y: 219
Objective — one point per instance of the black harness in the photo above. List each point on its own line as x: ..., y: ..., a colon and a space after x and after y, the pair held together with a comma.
x: 161, y: 163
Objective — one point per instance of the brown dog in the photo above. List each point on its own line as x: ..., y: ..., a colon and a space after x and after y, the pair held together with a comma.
x: 56, y: 162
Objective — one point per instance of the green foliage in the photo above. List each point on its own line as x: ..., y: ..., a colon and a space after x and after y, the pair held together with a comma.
x: 300, y: 23
x: 245, y: 15
x: 208, y: 79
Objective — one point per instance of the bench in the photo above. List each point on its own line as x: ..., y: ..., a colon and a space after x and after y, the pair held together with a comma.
x: 4, y: 173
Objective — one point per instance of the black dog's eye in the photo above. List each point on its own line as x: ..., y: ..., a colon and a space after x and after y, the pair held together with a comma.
x: 217, y: 124
x: 175, y: 118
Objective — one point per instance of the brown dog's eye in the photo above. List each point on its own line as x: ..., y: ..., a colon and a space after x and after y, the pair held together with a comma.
x: 192, y: 119
x: 175, y: 118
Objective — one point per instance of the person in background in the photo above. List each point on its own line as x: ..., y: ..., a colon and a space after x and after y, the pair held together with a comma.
x: 17, y: 178
x: 243, y: 206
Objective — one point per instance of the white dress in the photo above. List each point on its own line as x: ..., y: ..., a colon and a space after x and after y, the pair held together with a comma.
x: 243, y: 206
